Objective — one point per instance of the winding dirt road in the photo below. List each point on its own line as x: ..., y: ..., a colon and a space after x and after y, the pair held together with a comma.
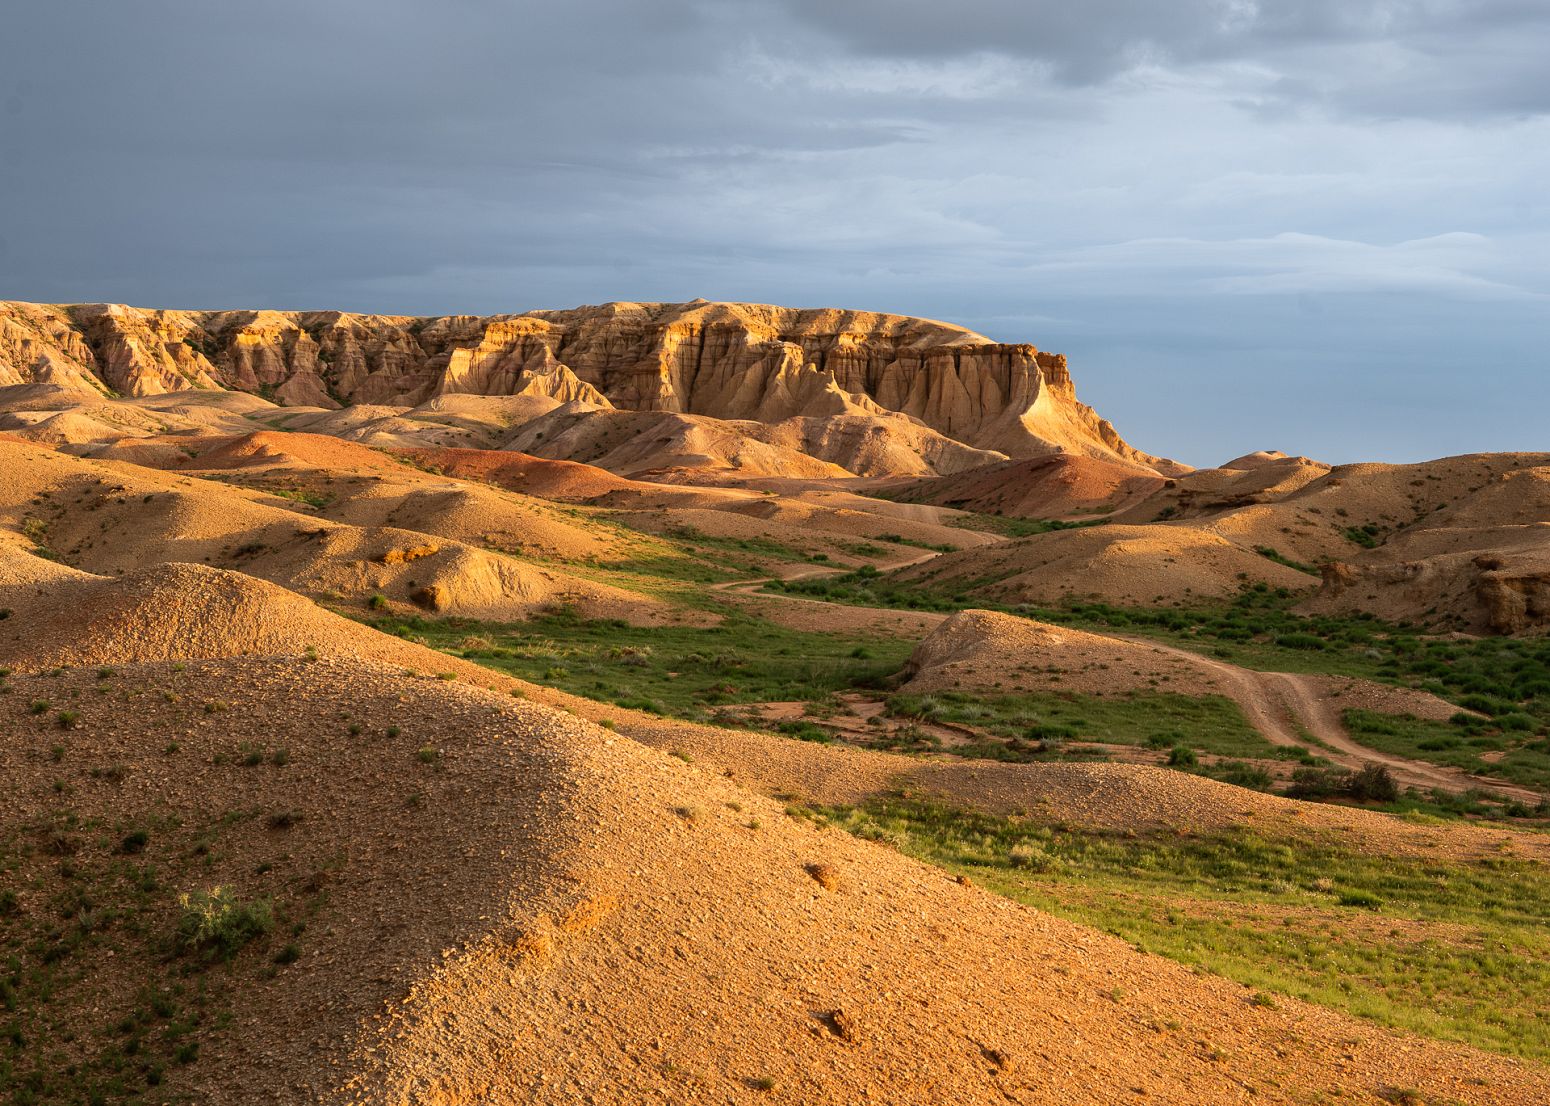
x: 1284, y: 707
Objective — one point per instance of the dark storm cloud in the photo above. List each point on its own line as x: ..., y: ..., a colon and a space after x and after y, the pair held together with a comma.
x: 1387, y: 57
x: 1183, y: 196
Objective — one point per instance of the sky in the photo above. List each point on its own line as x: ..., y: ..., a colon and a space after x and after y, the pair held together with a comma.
x: 1320, y: 226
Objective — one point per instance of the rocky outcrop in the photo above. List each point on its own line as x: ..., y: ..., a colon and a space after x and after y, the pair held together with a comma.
x: 1515, y: 597
x: 1505, y: 591
x: 724, y: 361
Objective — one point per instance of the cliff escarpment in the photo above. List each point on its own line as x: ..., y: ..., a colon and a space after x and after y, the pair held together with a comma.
x: 746, y: 362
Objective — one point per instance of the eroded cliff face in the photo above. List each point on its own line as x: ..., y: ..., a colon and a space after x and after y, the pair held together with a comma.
x: 726, y: 361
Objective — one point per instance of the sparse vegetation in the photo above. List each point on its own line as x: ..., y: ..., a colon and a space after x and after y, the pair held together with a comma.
x: 1497, y: 676
x: 1213, y: 724
x: 681, y: 671
x: 1455, y: 950
x: 1519, y: 755
x: 1270, y: 554
x: 1011, y: 527
x: 217, y: 921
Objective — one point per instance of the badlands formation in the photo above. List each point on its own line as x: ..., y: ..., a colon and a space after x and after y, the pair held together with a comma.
x: 730, y: 703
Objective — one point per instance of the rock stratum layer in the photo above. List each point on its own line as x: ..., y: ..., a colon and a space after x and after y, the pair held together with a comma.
x: 744, y: 362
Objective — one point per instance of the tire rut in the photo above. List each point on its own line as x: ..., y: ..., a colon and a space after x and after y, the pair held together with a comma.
x: 1276, y: 702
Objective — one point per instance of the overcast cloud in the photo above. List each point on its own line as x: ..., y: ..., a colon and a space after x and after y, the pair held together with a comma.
x: 1313, y: 225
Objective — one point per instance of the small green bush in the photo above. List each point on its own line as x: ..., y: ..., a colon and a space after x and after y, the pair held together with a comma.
x: 1372, y: 783
x: 218, y: 922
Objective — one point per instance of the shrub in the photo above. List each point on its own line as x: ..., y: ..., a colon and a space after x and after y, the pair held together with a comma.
x: 1182, y: 756
x: 1372, y: 783
x: 218, y: 922
x: 805, y: 731
x: 1316, y: 783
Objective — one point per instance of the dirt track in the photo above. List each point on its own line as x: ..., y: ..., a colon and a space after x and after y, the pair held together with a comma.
x: 1282, y: 706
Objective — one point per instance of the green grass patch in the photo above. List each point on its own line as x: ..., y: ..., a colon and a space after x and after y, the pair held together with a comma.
x: 758, y: 547
x: 683, y: 671
x: 1208, y: 723
x: 1271, y: 555
x: 1508, y: 678
x: 1452, y: 950
x: 683, y: 567
x: 900, y: 539
x: 1010, y: 527
x: 1525, y: 756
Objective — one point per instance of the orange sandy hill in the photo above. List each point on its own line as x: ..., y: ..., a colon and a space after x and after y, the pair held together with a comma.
x: 502, y: 902
x: 1169, y: 563
x: 988, y: 651
x: 354, y: 484
x: 676, y: 392
x: 110, y: 519
x: 1061, y: 487
x: 83, y: 416
x: 61, y: 616
x: 58, y: 616
x: 579, y: 917
x: 1458, y: 542
x: 522, y: 472
x: 448, y: 493
x: 802, y: 512
x: 267, y: 448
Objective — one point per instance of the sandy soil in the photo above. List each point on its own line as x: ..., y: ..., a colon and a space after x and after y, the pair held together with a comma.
x: 506, y: 901
x: 563, y: 915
